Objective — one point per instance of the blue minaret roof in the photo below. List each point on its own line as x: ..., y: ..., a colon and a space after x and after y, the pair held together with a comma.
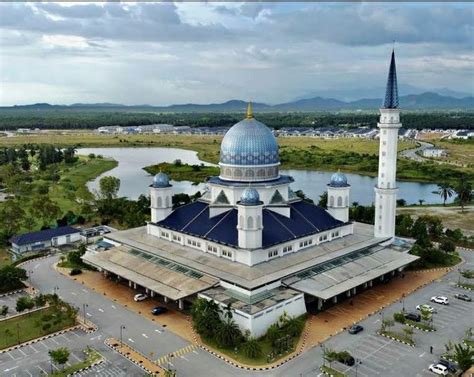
x: 391, y: 93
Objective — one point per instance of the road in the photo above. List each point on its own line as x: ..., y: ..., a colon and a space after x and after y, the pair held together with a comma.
x: 412, y: 153
x: 379, y: 355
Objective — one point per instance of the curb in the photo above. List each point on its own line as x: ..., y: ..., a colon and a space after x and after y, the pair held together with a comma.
x: 106, y: 342
x: 13, y: 292
x: 466, y: 288
x: 397, y: 340
x: 255, y: 369
x: 419, y: 328
x: 86, y: 368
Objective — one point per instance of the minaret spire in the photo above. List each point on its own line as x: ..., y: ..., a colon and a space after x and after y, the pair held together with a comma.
x: 391, y: 93
x: 249, y: 111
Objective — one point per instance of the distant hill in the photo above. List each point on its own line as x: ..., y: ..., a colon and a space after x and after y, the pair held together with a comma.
x: 421, y: 101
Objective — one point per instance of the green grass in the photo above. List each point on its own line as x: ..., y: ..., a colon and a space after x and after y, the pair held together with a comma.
x: 466, y: 285
x: 184, y: 172
x: 81, y: 266
x: 468, y: 274
x: 29, y: 326
x: 420, y: 325
x: 469, y: 342
x: 92, y: 356
x: 239, y: 356
x: 331, y: 371
x: 5, y: 258
x: 398, y: 336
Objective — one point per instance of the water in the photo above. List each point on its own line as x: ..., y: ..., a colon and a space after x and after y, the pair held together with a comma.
x: 135, y: 181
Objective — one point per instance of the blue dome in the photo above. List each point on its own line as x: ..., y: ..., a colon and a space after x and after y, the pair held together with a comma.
x: 161, y: 180
x: 250, y: 197
x: 249, y: 142
x: 338, y: 180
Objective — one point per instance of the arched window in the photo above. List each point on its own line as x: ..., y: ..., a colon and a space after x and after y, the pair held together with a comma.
x: 159, y: 202
x: 388, y: 184
x: 258, y: 222
x: 331, y: 201
x: 250, y: 222
x: 241, y: 221
x: 261, y: 173
x: 238, y: 173
x: 249, y: 173
x: 167, y: 201
x: 339, y: 201
x: 346, y: 202
x: 228, y: 172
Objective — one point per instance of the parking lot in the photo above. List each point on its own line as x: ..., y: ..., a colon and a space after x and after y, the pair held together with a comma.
x: 10, y: 301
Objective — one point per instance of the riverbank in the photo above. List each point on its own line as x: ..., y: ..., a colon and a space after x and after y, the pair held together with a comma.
x: 350, y: 155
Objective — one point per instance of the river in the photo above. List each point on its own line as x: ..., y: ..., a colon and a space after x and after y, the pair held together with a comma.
x: 135, y: 181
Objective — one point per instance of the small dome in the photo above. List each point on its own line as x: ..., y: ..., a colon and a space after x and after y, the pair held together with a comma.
x: 338, y: 180
x: 161, y: 180
x: 250, y: 197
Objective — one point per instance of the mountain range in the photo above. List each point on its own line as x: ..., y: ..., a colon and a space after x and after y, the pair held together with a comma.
x: 423, y: 101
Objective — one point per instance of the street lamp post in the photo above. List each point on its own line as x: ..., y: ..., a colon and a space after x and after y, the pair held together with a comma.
x: 84, y: 306
x: 122, y: 327
x: 357, y: 365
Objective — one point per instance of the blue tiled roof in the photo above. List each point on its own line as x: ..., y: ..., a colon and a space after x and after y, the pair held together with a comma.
x: 249, y: 142
x: 305, y: 219
x: 43, y: 235
x: 391, y: 93
x: 278, y: 181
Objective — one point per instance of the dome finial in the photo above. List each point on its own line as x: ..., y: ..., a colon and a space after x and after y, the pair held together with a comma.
x: 249, y: 111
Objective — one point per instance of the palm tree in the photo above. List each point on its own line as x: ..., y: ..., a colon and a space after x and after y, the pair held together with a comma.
x: 463, y: 356
x: 251, y: 348
x: 464, y: 192
x: 228, y: 333
x: 445, y: 191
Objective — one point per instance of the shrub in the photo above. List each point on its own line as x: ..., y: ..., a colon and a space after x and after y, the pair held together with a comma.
x: 46, y: 326
x: 399, y: 317
x: 24, y: 302
x: 4, y: 310
x: 46, y: 317
x: 75, y: 271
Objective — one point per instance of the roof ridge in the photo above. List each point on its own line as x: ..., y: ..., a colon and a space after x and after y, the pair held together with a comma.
x: 304, y: 217
x: 223, y: 217
x: 283, y: 225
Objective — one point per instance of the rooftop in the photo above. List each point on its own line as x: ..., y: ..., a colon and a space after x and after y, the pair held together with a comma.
x: 242, y: 275
x: 43, y: 235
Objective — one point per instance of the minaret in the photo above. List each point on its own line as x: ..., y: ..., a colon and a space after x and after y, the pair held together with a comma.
x: 386, y: 189
x: 161, y: 195
x: 250, y: 223
x: 338, y: 197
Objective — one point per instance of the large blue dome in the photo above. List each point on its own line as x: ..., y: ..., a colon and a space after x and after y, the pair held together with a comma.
x: 250, y: 196
x: 338, y: 180
x: 249, y: 142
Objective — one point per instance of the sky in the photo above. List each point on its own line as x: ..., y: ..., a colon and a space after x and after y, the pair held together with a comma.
x: 189, y: 52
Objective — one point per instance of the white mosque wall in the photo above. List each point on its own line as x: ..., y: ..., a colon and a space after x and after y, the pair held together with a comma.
x: 233, y: 193
x: 247, y: 292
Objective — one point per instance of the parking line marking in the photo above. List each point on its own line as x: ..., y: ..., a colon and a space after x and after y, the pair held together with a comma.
x: 131, y: 340
x: 74, y: 293
x: 21, y: 351
x: 41, y: 369
x: 55, y: 341
x: 145, y: 336
x: 113, y: 306
x: 74, y: 355
x: 29, y: 374
x: 89, y: 314
x: 84, y: 290
x: 421, y: 355
x: 33, y: 348
x: 101, y: 310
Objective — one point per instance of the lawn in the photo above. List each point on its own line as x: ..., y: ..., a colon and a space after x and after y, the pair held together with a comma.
x: 30, y: 326
x: 460, y: 152
x: 4, y: 257
x: 92, y: 356
x: 263, y: 359
x: 400, y: 337
x: 331, y: 371
x: 183, y: 172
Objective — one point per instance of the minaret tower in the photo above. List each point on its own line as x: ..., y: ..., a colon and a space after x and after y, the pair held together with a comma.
x: 161, y: 195
x: 386, y: 189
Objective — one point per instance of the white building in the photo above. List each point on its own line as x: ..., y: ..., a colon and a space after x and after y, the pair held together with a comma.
x: 434, y: 152
x: 249, y: 243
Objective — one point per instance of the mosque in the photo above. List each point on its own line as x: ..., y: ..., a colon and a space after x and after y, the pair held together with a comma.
x: 250, y: 243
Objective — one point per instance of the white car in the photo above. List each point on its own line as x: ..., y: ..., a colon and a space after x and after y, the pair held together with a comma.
x: 440, y: 300
x: 140, y: 297
x: 426, y: 307
x: 438, y: 369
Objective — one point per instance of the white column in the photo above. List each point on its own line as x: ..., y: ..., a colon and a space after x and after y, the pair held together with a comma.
x: 386, y: 189
x: 181, y: 304
x: 165, y: 299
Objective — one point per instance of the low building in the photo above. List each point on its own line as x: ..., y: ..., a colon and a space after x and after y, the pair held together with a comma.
x: 43, y: 239
x: 110, y: 130
x: 434, y: 152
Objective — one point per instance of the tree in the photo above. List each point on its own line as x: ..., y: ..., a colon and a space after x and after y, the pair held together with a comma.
x: 23, y: 303
x: 12, y: 217
x: 11, y: 278
x: 464, y: 192
x: 426, y: 315
x: 408, y: 333
x: 445, y: 191
x: 206, y: 317
x: 447, y: 246
x: 109, y: 187
x: 228, y: 333
x: 421, y: 201
x: 60, y: 355
x: 45, y: 209
x: 401, y: 202
x: 323, y: 200
x: 463, y: 356
x: 4, y: 310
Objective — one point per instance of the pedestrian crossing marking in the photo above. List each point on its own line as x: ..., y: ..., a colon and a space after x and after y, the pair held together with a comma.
x: 182, y: 351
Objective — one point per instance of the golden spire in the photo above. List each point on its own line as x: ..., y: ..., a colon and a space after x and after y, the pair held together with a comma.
x: 249, y: 111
